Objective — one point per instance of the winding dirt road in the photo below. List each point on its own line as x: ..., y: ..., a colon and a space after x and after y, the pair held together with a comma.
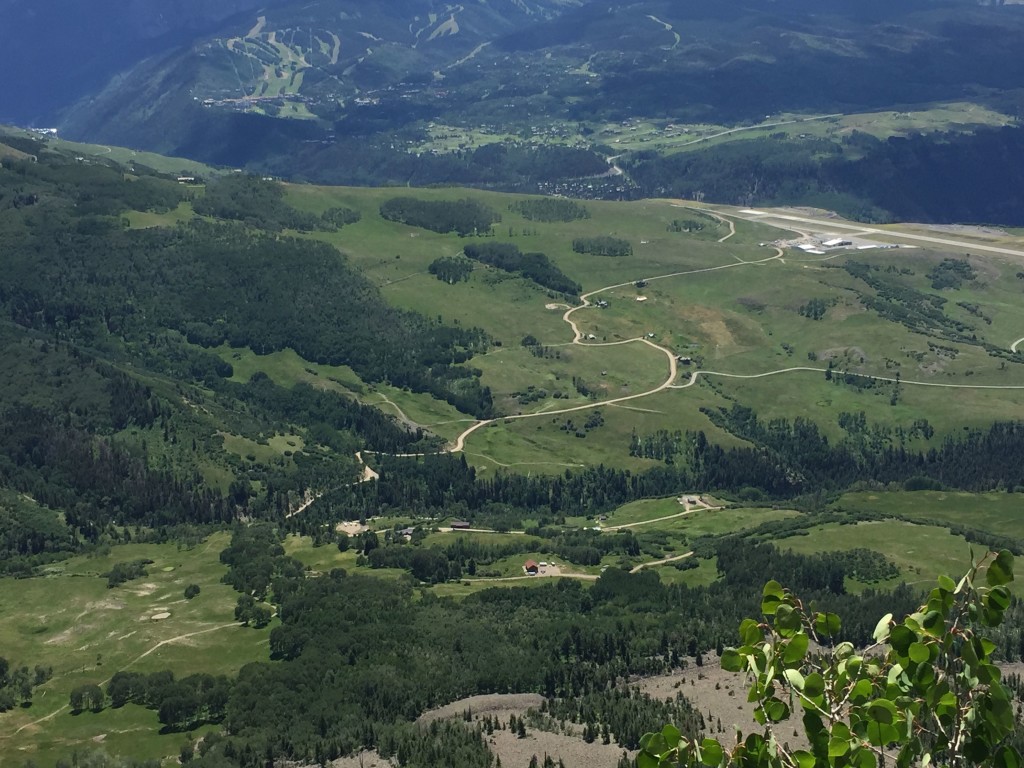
x: 663, y: 561
x: 156, y: 647
x: 578, y: 339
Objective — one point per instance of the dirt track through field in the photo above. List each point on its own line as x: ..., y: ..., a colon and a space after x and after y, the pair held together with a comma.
x: 156, y: 647
x: 766, y: 217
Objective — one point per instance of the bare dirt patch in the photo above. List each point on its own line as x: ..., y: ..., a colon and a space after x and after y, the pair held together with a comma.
x: 571, y: 750
x: 513, y: 703
x: 853, y: 354
x: 351, y: 528
x: 142, y: 590
x: 514, y: 751
x: 160, y: 616
x: 362, y: 760
x: 62, y: 638
x: 846, y: 309
x: 720, y: 696
x: 711, y: 324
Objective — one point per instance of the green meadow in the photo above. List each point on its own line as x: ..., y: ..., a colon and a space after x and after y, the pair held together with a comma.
x: 69, y: 620
x: 734, y: 307
x: 921, y: 552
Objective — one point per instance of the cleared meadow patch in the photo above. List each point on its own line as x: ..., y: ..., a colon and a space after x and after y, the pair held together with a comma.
x: 70, y: 620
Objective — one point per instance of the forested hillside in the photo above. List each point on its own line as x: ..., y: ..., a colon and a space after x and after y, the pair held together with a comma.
x: 184, y: 363
x: 109, y: 392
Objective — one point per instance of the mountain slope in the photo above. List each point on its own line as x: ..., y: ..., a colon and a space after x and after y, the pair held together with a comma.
x: 353, y: 68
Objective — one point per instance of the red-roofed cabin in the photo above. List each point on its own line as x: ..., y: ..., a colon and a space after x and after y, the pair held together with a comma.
x: 531, y: 567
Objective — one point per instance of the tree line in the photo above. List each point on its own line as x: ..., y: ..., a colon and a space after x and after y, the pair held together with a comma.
x: 550, y: 209
x: 464, y: 217
x: 533, y: 266
x: 260, y: 203
x: 603, y: 245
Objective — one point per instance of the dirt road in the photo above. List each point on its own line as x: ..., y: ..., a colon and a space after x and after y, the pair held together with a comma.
x: 663, y: 561
x: 765, y: 216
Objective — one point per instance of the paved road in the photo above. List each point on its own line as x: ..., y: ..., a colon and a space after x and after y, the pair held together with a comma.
x: 760, y: 127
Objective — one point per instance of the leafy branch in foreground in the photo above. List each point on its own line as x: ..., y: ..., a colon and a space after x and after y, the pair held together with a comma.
x: 925, y: 693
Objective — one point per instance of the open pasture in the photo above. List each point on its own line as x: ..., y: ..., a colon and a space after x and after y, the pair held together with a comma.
x: 743, y: 315
x: 1001, y: 514
x: 921, y: 552
x: 71, y: 621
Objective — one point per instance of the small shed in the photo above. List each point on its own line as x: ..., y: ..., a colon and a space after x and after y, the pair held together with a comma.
x: 460, y: 525
x: 531, y: 567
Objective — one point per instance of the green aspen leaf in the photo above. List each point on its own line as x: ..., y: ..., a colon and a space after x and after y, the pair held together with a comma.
x: 750, y: 632
x: 946, y: 583
x: 861, y: 691
x: 827, y: 624
x: 671, y: 734
x: 1000, y: 570
x: 932, y: 623
x: 881, y: 734
x: 843, y: 650
x: 918, y: 653
x: 805, y: 759
x: 998, y: 599
x: 657, y: 744
x: 647, y: 760
x: 814, y: 728
x: 794, y: 678
x: 882, y: 711
x: 1005, y: 757
x: 814, y: 685
x: 969, y: 655
x: 771, y: 597
x: 1000, y: 715
x: 863, y: 758
x: 711, y: 752
x: 796, y: 649
x: 976, y: 751
x: 732, y: 661
x: 881, y: 633
x: 787, y: 620
x: 924, y: 676
x: 775, y: 710
x: 900, y: 639
x: 991, y: 617
x: 837, y: 747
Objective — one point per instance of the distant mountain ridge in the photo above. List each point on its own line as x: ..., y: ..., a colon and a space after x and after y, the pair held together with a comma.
x: 60, y: 50
x: 276, y: 86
